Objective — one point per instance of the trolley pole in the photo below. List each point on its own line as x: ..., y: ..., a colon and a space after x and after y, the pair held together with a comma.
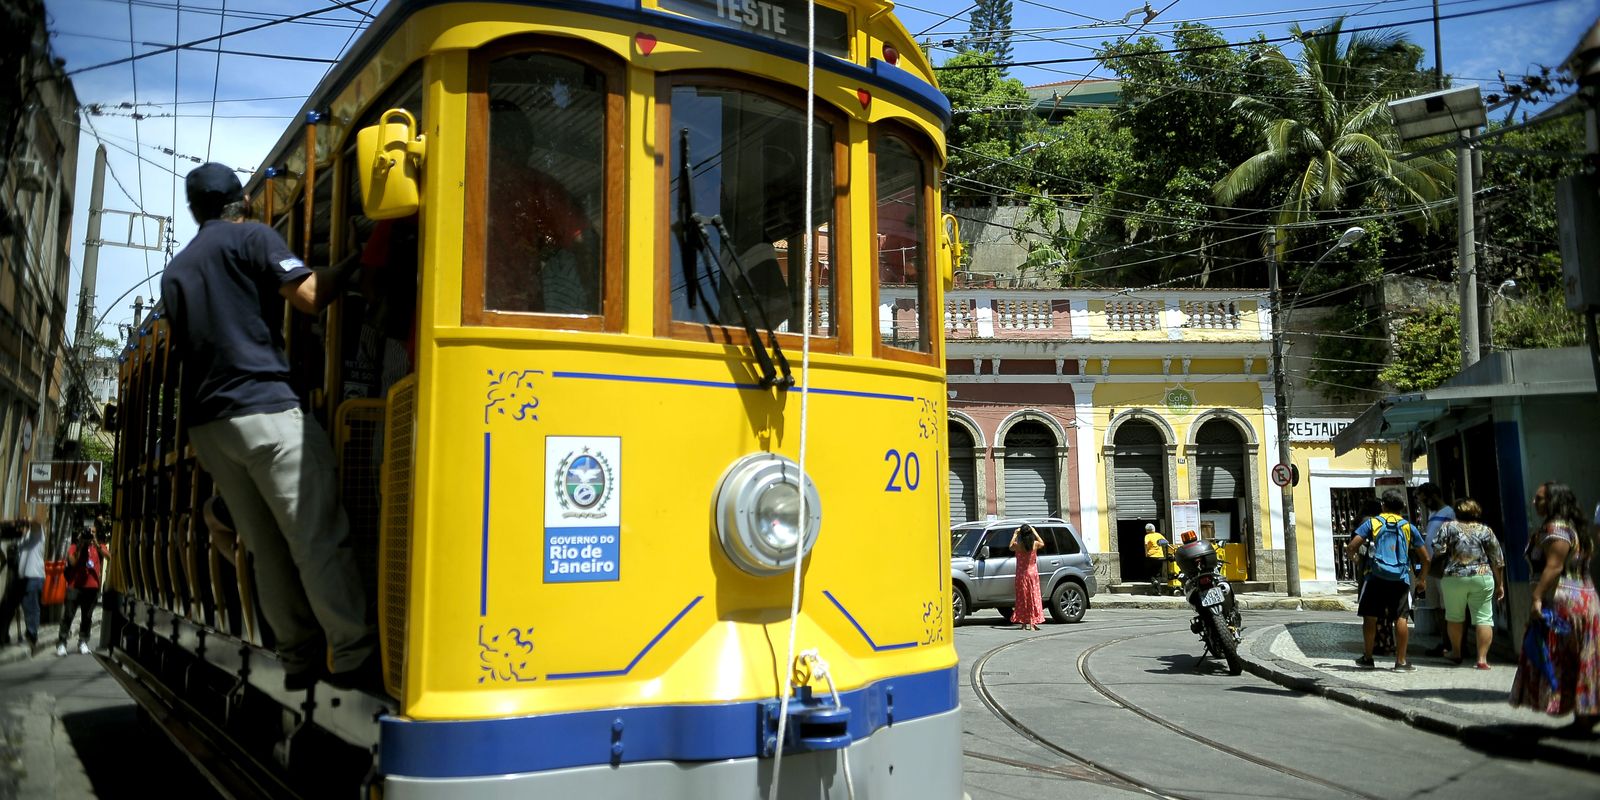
x: 1291, y: 555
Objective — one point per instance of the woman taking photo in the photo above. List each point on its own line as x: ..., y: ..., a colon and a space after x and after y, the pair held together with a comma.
x: 1559, y: 671
x: 1029, y: 609
x: 1473, y: 578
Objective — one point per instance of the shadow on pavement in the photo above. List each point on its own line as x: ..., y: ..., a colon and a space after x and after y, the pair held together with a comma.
x: 117, y: 748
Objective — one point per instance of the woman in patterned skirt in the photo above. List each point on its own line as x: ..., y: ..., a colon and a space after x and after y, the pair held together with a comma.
x: 1029, y: 609
x: 1559, y: 671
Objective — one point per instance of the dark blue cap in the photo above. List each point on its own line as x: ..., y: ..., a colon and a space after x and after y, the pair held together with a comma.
x: 212, y: 186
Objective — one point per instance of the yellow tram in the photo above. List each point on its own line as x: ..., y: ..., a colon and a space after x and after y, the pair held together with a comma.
x: 570, y: 396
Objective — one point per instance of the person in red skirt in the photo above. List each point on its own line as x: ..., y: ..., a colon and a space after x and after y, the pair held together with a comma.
x: 1029, y: 609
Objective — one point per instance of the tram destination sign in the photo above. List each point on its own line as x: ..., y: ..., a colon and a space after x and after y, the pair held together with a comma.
x: 57, y: 482
x: 784, y: 20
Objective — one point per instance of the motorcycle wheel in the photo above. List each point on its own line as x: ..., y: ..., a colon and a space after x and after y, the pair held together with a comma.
x: 1222, y: 641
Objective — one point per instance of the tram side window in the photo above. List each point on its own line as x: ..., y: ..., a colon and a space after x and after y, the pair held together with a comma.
x: 900, y: 217
x: 744, y: 155
x: 546, y: 185
x: 379, y: 337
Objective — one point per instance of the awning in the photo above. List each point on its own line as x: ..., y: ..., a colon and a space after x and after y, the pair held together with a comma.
x: 1518, y: 373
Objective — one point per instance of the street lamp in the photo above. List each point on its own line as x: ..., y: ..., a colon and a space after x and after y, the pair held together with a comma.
x: 1453, y: 111
x: 1291, y: 556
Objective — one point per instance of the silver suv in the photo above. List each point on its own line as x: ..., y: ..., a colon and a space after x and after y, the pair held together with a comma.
x: 983, y: 570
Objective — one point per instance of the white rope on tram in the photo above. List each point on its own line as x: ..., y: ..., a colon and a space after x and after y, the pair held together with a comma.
x: 786, y: 673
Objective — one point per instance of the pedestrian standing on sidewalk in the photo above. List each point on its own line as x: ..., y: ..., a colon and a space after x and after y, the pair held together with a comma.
x: 28, y: 582
x: 1559, y: 671
x: 1386, y: 593
x: 1439, y: 513
x: 1474, y: 578
x: 85, y: 560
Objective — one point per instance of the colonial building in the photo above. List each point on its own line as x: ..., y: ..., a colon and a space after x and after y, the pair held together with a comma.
x: 1106, y: 407
x: 38, y: 167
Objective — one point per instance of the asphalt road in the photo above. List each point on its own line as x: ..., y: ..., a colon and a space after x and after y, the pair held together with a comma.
x: 1265, y: 741
x: 68, y: 731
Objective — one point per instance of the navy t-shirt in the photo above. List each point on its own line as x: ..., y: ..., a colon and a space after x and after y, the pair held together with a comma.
x: 221, y: 299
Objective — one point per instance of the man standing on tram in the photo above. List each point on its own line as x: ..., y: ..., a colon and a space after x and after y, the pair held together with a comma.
x: 271, y: 462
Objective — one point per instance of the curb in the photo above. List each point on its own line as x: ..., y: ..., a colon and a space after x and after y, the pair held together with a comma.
x: 1246, y: 603
x: 1424, y: 714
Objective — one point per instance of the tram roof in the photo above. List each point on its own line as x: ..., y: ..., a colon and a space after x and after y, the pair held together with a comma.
x: 397, y: 12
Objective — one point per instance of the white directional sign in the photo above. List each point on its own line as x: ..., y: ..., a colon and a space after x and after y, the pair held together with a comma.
x: 64, y: 481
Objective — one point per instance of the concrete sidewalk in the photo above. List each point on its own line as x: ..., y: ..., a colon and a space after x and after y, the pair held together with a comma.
x: 1458, y: 701
x: 1248, y: 601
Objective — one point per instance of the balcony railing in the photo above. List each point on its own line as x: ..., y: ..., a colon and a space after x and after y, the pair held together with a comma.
x: 1085, y: 314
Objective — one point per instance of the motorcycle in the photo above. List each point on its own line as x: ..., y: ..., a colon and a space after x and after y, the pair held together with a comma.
x: 1217, y: 618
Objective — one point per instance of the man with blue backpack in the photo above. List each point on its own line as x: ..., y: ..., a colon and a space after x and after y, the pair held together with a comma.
x: 1386, y: 593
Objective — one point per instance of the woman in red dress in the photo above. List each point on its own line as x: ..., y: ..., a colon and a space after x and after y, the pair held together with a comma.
x: 1029, y: 609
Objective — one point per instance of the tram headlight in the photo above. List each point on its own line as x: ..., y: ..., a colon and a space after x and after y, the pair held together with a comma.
x: 758, y: 513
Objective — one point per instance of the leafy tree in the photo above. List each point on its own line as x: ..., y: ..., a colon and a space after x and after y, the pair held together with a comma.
x: 990, y: 125
x: 97, y: 448
x: 1426, y: 349
x: 1329, y: 141
x: 990, y: 30
x: 1155, y: 216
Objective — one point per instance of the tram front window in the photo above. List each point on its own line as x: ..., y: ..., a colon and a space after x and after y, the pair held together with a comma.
x: 746, y: 163
x: 546, y: 185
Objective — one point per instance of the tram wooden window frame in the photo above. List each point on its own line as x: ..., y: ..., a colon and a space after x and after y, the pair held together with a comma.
x: 475, y: 229
x: 667, y: 327
x: 919, y: 147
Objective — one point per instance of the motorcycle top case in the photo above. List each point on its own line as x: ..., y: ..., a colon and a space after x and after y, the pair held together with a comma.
x: 1197, y: 557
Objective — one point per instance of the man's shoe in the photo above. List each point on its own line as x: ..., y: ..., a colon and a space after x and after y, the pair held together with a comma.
x: 1404, y: 667
x: 1366, y: 662
x: 83, y: 648
x: 61, y: 649
x: 302, y: 680
x: 368, y: 677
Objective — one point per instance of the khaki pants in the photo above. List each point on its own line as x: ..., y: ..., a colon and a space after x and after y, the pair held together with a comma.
x: 276, y: 472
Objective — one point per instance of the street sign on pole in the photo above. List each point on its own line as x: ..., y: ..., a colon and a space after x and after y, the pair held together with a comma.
x: 1281, y: 474
x: 56, y: 482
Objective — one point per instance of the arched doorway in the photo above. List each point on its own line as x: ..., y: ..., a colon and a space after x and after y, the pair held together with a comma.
x: 963, y: 475
x: 1031, y: 482
x: 1140, y: 483
x: 1221, y: 478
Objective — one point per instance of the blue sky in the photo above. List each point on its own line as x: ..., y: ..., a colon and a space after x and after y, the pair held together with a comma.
x: 257, y: 98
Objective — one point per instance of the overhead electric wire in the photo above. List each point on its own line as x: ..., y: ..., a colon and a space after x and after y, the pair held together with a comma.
x: 218, y: 37
x: 1259, y: 40
x: 133, y: 69
x: 216, y: 81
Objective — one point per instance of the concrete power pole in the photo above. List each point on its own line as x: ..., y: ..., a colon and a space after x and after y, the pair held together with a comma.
x: 91, y: 253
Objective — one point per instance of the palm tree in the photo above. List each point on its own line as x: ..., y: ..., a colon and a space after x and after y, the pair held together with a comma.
x: 1330, y: 142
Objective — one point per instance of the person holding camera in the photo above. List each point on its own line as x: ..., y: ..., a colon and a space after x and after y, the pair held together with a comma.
x: 85, y: 560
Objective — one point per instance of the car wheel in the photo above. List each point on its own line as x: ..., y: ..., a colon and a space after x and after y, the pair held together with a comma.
x: 1005, y: 612
x: 1068, y: 602
x: 958, y: 605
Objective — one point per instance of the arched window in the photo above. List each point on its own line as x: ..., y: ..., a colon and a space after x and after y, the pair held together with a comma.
x: 963, y: 475
x: 1031, y: 479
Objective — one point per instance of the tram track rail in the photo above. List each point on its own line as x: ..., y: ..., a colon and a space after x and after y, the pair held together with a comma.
x: 1113, y: 776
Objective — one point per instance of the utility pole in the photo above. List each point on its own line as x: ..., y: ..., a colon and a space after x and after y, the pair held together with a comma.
x: 91, y: 257
x: 1467, y: 244
x: 1291, y: 556
x: 1438, y: 53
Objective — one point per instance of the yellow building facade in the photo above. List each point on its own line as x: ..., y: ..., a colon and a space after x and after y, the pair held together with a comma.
x: 1118, y: 409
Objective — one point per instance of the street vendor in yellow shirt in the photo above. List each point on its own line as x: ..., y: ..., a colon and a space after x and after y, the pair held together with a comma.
x: 1158, y: 550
